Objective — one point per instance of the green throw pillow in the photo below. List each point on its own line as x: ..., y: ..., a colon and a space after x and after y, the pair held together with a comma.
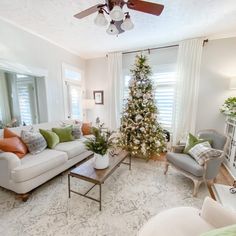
x: 191, y: 142
x: 225, y: 231
x: 51, y: 138
x: 65, y: 134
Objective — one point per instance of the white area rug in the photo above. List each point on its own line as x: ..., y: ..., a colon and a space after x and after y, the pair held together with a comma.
x: 130, y: 198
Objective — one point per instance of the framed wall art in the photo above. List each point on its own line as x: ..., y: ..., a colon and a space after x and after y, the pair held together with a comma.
x: 98, y: 97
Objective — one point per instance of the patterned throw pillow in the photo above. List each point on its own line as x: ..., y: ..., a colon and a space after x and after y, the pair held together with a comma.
x: 34, y: 141
x: 76, y: 128
x: 202, y: 151
x: 76, y: 131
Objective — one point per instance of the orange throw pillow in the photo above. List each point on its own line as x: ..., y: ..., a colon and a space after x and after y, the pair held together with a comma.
x: 7, y: 133
x: 86, y: 128
x: 14, y: 145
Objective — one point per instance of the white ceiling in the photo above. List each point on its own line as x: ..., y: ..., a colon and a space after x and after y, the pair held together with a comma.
x: 181, y: 19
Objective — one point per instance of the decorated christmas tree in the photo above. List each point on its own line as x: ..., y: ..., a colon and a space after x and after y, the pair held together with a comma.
x: 141, y: 134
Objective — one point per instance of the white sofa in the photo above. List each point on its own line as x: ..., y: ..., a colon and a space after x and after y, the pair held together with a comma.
x: 23, y: 175
x: 189, y: 221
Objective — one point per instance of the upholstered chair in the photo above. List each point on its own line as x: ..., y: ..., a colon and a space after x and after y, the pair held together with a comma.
x: 190, y: 167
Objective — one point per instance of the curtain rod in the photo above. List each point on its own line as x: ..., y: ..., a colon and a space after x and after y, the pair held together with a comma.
x: 169, y: 46
x: 149, y: 49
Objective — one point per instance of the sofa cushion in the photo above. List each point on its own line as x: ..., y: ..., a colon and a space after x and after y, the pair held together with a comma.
x: 35, y: 165
x: 73, y: 148
x: 185, y: 162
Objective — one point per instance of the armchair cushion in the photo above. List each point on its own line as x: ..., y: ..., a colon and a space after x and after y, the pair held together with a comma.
x: 185, y: 162
x: 202, y: 151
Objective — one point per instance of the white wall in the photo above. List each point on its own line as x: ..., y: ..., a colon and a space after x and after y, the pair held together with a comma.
x: 218, y: 65
x: 97, y: 79
x: 19, y: 46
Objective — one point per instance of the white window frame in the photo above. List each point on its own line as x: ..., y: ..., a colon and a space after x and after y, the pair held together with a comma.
x: 72, y: 82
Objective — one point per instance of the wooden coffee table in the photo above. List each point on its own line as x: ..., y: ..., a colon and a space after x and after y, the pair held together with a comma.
x: 87, y: 173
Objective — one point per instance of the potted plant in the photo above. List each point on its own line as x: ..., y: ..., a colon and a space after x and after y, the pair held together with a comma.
x: 100, y: 144
x: 229, y: 107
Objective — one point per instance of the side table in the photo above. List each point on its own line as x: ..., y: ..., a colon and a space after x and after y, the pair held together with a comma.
x: 223, y: 195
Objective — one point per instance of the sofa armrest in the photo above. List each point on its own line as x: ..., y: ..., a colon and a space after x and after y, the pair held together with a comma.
x: 178, y: 148
x: 12, y: 160
x: 216, y: 215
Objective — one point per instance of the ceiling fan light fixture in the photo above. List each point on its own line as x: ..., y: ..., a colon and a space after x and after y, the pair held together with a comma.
x: 100, y: 19
x: 112, y: 29
x: 127, y: 23
x: 116, y: 13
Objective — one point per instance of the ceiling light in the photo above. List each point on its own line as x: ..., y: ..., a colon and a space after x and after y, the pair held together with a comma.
x: 100, y: 19
x: 112, y: 29
x: 127, y: 23
x: 116, y: 13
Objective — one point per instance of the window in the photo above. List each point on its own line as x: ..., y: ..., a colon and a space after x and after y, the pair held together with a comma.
x: 164, y: 92
x: 73, y: 92
x: 74, y: 101
x: 26, y: 92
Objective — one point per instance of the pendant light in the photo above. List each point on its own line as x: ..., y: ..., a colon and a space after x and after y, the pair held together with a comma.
x: 116, y: 13
x: 127, y: 23
x: 100, y: 19
x: 112, y: 30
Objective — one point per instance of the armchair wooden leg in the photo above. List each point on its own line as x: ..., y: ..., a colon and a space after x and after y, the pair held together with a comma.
x: 197, y: 183
x: 166, y: 167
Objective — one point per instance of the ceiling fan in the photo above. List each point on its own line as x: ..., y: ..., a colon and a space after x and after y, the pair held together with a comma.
x: 120, y: 21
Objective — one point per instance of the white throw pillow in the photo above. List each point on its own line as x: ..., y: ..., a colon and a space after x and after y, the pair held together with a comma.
x: 203, y: 151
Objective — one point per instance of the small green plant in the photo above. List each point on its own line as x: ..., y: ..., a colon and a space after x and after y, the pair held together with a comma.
x: 100, y: 143
x: 229, y: 107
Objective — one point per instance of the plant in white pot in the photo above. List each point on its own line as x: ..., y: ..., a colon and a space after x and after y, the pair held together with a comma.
x: 99, y: 144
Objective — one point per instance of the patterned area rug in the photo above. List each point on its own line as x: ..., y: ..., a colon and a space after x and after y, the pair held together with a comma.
x: 130, y: 198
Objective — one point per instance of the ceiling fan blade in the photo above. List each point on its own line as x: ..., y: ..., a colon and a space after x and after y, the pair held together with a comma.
x: 118, y: 26
x: 147, y: 7
x: 88, y: 11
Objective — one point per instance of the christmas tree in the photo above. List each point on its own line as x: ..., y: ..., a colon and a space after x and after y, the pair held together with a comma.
x: 141, y: 134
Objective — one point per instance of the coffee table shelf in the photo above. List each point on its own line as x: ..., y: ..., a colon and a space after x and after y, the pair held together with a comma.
x: 87, y: 172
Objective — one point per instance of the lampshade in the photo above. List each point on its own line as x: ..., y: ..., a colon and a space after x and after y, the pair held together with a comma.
x: 88, y: 104
x: 232, y: 83
x: 112, y: 29
x: 116, y: 13
x: 127, y: 23
x: 100, y: 19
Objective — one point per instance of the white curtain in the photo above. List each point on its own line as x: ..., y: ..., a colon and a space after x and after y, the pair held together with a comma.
x: 5, y: 116
x: 115, y: 85
x: 188, y: 74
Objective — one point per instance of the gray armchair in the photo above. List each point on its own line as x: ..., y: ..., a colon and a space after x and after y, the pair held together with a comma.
x: 190, y: 168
